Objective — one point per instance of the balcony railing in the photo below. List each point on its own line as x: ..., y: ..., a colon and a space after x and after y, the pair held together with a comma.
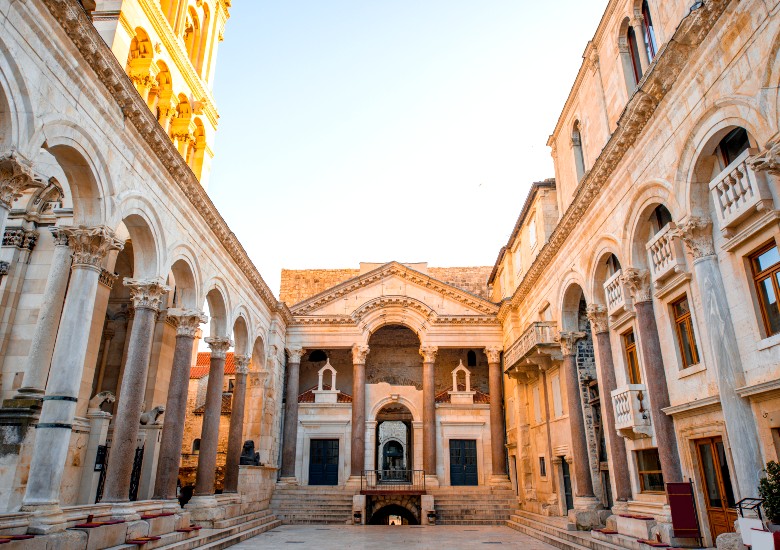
x: 618, y: 297
x: 380, y: 482
x: 539, y: 333
x: 632, y: 418
x: 665, y: 255
x: 738, y: 192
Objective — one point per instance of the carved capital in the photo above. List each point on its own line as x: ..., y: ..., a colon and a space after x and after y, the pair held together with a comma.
x: 359, y: 354
x: 568, y: 342
x: 429, y: 353
x: 186, y: 321
x: 493, y: 355
x: 242, y: 363
x: 638, y: 283
x: 597, y: 315
x: 696, y: 233
x: 767, y: 160
x: 295, y: 354
x: 16, y: 176
x: 146, y: 293
x: 60, y: 236
x: 91, y: 244
x: 219, y: 346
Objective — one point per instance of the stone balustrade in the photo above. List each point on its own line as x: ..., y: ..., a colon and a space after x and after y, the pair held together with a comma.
x: 632, y: 415
x: 618, y: 297
x: 539, y: 333
x: 738, y: 192
x: 665, y: 255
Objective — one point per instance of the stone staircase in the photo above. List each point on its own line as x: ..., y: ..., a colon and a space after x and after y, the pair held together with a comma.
x: 553, y: 531
x: 308, y: 504
x: 473, y: 505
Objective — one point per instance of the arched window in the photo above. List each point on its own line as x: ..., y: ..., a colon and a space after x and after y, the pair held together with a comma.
x: 649, y: 31
x: 732, y: 145
x: 317, y: 356
x: 576, y: 146
x: 471, y: 359
x: 660, y: 218
x: 633, y: 52
x: 196, y: 446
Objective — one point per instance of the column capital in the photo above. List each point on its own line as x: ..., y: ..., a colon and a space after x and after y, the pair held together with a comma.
x: 597, y: 315
x: 429, y: 353
x: 696, y: 233
x: 767, y: 160
x: 242, y: 363
x: 638, y: 283
x: 568, y: 341
x: 60, y: 236
x: 16, y: 176
x: 493, y: 354
x: 295, y: 354
x: 637, y: 20
x: 186, y: 321
x: 359, y: 354
x: 219, y: 346
x: 91, y: 244
x: 146, y: 293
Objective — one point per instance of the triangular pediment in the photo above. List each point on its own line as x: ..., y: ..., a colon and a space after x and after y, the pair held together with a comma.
x: 394, y: 285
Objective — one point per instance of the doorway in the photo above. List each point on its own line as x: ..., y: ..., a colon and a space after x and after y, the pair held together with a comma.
x: 393, y: 450
x: 718, y: 490
x: 568, y: 499
x: 324, y: 462
x: 463, y: 462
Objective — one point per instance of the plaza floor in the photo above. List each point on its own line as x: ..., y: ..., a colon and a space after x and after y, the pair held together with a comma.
x: 345, y: 537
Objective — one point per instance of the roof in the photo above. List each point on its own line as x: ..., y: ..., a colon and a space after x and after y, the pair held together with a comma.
x: 227, y: 401
x: 308, y: 395
x: 201, y: 367
x: 479, y: 397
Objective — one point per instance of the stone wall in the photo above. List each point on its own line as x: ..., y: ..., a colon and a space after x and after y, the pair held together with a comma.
x: 470, y: 279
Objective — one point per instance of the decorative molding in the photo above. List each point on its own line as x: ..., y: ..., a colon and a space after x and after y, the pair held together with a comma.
x: 598, y: 318
x: 20, y: 238
x: 106, y: 278
x: 694, y: 407
x: 696, y: 233
x: 91, y: 244
x: 767, y: 161
x: 359, y: 354
x: 78, y: 27
x: 429, y: 353
x: 638, y: 283
x: 186, y: 321
x: 493, y: 354
x: 16, y: 176
x: 322, y: 320
x: 655, y: 85
x: 146, y: 293
x: 568, y: 342
x: 758, y: 389
x: 219, y: 346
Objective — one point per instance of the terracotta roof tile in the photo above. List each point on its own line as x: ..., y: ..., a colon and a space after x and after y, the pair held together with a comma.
x: 308, y: 395
x: 479, y: 397
x: 201, y: 367
x: 227, y: 401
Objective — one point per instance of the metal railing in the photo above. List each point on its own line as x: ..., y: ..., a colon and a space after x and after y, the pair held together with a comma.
x: 392, y: 481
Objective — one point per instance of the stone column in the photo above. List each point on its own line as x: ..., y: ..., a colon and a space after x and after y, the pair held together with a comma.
x: 583, y: 483
x: 637, y: 22
x: 16, y: 176
x: 187, y: 323
x: 616, y: 446
x: 497, y: 449
x: 90, y: 245
x: 209, y: 434
x: 147, y: 296
x: 45, y: 333
x: 358, y: 459
x: 236, y: 430
x: 696, y: 233
x: 429, y: 409
x: 290, y: 435
x: 638, y: 282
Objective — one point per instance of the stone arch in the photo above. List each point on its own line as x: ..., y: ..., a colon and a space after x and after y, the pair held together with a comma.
x: 406, y: 506
x: 638, y: 229
x: 606, y: 245
x: 770, y: 82
x: 187, y: 277
x: 466, y: 377
x: 394, y: 310
x: 572, y: 291
x: 140, y: 46
x: 217, y: 301
x: 16, y: 112
x: 258, y: 353
x: 400, y: 400
x: 241, y: 332
x: 192, y: 34
x: 204, y: 39
x: 145, y: 227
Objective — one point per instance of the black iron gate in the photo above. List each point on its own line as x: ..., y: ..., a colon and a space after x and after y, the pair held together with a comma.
x: 135, y: 476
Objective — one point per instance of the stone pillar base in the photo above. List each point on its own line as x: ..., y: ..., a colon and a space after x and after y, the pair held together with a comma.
x: 206, y: 509
x: 124, y: 510
x: 431, y: 481
x: 587, y: 514
x: 47, y: 519
x: 500, y: 481
x: 288, y: 480
x: 353, y: 483
x: 172, y: 505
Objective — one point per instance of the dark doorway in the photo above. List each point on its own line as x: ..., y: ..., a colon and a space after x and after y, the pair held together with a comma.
x: 566, y: 484
x: 324, y: 462
x: 383, y: 516
x: 463, y: 462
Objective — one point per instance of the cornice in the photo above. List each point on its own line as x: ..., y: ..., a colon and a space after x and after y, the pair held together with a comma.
x: 389, y: 270
x: 659, y: 79
x: 75, y: 23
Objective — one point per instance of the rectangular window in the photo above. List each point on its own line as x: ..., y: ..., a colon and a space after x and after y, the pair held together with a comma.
x: 632, y: 359
x: 542, y: 467
x: 532, y: 231
x: 686, y: 339
x: 766, y: 275
x: 651, y: 479
x: 555, y: 382
x: 537, y: 406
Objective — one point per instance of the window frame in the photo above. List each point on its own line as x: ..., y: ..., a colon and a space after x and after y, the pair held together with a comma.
x: 641, y: 473
x: 686, y: 318
x: 542, y: 466
x: 649, y: 32
x: 633, y: 53
x: 771, y: 273
x: 630, y: 348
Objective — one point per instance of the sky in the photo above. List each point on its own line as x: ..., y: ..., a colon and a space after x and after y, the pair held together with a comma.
x: 380, y: 130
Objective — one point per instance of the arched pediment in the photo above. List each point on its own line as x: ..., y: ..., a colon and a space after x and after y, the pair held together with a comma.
x: 394, y: 310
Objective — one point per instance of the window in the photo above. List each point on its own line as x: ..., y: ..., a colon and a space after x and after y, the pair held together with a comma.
x: 576, y: 146
x: 633, y: 51
x: 195, y: 446
x: 542, y: 467
x: 555, y: 383
x: 613, y: 265
x: 632, y: 360
x: 231, y: 384
x: 532, y: 231
x: 766, y: 275
x: 537, y: 406
x: 471, y: 359
x: 734, y: 144
x: 686, y: 339
x: 651, y: 479
x: 649, y: 31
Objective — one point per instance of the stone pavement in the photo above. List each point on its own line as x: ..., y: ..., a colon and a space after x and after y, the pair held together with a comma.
x: 380, y: 537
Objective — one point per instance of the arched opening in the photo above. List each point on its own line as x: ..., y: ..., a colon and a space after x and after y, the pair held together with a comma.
x: 182, y: 281
x: 196, y: 445
x: 394, y: 444
x: 576, y: 147
x: 241, y: 336
x: 192, y: 33
x: 471, y: 359
x: 201, y: 58
x: 394, y: 349
x: 318, y: 356
x: 197, y: 148
x: 217, y: 310
x: 633, y: 52
x: 5, y: 120
x: 648, y: 31
x: 608, y: 268
x: 393, y: 514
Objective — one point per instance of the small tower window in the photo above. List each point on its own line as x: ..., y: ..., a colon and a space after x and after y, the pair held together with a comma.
x: 196, y: 446
x: 471, y: 359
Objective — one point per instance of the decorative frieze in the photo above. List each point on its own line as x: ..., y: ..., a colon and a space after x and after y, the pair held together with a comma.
x: 147, y: 293
x: 429, y: 353
x: 91, y: 244
x: 219, y: 346
x: 186, y: 321
x: 359, y: 354
x: 638, y: 283
x: 597, y: 316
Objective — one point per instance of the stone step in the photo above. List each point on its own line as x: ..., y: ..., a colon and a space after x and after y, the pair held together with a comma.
x: 470, y: 522
x: 222, y: 538
x: 252, y: 516
x: 542, y: 528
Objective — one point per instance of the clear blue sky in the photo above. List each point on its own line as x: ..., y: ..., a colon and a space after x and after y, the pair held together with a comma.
x: 378, y: 130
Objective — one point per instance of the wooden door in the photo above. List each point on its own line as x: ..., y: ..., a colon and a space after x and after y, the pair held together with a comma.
x: 463, y: 462
x: 324, y: 462
x: 716, y: 481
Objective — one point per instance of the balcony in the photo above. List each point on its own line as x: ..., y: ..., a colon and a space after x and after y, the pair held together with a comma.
x: 739, y: 192
x: 618, y: 297
x: 539, y: 334
x: 632, y: 418
x: 665, y: 255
